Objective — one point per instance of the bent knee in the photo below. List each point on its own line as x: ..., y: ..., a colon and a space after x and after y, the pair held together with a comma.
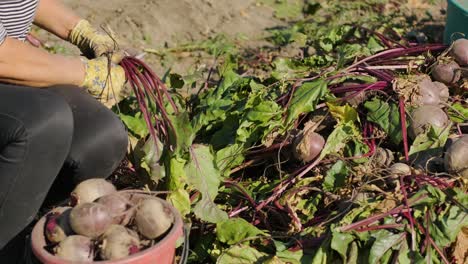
x: 52, y: 115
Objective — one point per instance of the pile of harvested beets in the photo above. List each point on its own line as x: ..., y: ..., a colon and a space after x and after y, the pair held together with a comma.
x: 430, y: 97
x: 106, y: 224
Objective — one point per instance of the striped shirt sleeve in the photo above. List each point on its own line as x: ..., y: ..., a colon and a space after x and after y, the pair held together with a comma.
x: 16, y: 17
x: 3, y: 33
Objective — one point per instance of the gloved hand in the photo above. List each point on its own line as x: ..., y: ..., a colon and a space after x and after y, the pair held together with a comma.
x: 107, y: 88
x: 90, y: 41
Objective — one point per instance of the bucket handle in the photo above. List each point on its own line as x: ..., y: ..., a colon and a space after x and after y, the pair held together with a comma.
x: 454, y: 34
x: 185, y: 248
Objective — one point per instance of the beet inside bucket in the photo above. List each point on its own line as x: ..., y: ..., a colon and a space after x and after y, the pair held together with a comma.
x: 163, y: 252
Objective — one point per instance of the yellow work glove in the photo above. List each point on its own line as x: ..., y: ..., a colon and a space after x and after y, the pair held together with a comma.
x: 107, y: 88
x: 90, y: 41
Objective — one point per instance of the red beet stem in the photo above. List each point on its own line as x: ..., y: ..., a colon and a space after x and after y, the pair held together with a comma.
x: 365, y: 222
x: 283, y: 186
x: 131, y: 77
x: 157, y: 80
x: 293, y: 90
x: 368, y: 133
x: 373, y: 219
x: 398, y: 52
x: 380, y: 85
x: 436, y: 182
x: 416, y: 50
x: 431, y: 241
x: 147, y: 86
x: 379, y: 74
x: 408, y: 215
x: 378, y: 227
x: 386, y: 41
x: 241, y: 190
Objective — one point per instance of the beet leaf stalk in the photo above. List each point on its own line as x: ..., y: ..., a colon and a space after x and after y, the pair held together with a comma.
x: 151, y: 94
x: 399, y: 52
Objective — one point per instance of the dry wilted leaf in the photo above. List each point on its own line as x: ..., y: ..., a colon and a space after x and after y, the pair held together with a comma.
x: 387, y: 205
x: 460, y: 251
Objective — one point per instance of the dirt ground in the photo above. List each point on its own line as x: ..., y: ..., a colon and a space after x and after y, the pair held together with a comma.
x: 143, y: 24
x: 154, y: 22
x: 157, y: 23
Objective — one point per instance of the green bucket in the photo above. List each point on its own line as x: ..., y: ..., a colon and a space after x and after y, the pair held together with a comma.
x: 457, y: 20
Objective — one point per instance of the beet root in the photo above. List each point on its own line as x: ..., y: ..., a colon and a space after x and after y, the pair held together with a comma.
x: 90, y: 190
x: 400, y: 169
x: 119, y: 242
x: 90, y: 219
x: 428, y: 93
x: 456, y: 157
x: 76, y: 249
x: 383, y: 157
x: 152, y: 218
x: 58, y: 227
x: 118, y: 205
x: 460, y: 51
x: 425, y: 116
x: 447, y: 73
x: 307, y: 146
x: 443, y: 92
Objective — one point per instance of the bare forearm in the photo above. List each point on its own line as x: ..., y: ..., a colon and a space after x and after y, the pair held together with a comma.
x: 23, y: 64
x: 54, y: 17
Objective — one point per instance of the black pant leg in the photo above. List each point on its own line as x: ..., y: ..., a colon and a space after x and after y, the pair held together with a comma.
x: 99, y: 140
x: 36, y: 128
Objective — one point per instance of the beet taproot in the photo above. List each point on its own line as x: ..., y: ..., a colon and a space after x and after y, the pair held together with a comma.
x: 460, y: 51
x: 425, y: 116
x: 118, y: 205
x: 399, y: 169
x: 152, y: 218
x: 443, y: 92
x: 90, y: 190
x: 307, y: 146
x: 428, y: 92
x: 90, y: 219
x: 456, y: 157
x: 58, y: 226
x: 383, y: 157
x: 447, y: 73
x: 76, y: 248
x: 119, y: 242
